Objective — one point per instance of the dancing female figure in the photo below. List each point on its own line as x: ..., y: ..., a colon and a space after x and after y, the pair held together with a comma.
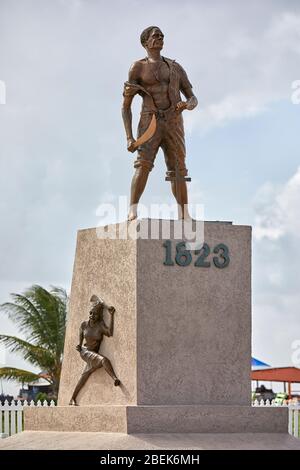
x: 92, y: 332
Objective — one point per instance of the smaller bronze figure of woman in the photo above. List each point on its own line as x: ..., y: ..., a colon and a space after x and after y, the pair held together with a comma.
x: 92, y: 332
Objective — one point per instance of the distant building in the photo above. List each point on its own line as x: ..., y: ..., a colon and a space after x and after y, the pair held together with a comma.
x: 3, y: 397
x: 32, y: 389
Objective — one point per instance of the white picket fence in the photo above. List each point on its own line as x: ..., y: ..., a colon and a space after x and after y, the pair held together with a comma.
x: 294, y: 410
x: 271, y: 403
x: 11, y: 416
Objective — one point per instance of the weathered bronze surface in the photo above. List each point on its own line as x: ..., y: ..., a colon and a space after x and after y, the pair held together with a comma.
x: 92, y: 332
x: 159, y: 81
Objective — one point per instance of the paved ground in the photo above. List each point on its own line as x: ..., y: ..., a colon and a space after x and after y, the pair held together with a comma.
x: 117, y: 441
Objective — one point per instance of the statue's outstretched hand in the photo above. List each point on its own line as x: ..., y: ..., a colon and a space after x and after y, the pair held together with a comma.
x: 78, y: 348
x: 111, y: 310
x: 130, y: 143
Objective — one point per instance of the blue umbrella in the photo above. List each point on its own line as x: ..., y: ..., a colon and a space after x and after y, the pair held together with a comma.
x: 257, y: 363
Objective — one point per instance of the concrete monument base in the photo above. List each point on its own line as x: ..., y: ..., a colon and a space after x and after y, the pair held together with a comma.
x: 181, y: 345
x: 158, y: 419
x: 41, y: 440
x: 182, y: 331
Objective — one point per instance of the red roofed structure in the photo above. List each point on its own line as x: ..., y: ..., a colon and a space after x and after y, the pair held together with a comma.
x: 287, y: 375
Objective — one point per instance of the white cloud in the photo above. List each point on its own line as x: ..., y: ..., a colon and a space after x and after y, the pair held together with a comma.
x: 284, y: 32
x: 276, y: 260
x: 277, y: 210
x: 239, y: 105
x: 253, y: 68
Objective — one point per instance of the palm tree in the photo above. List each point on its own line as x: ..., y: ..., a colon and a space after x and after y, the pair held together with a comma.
x: 41, y: 317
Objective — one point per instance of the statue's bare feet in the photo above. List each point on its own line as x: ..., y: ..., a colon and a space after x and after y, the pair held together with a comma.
x: 183, y: 214
x: 186, y: 218
x: 73, y: 402
x: 131, y: 216
x: 117, y: 382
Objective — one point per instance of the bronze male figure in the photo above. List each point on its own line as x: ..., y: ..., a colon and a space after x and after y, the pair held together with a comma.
x: 159, y: 81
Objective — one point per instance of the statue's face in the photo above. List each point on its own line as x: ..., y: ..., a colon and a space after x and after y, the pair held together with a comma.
x: 155, y: 40
x: 95, y: 314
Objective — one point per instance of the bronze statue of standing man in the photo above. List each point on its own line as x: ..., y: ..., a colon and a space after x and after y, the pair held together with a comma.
x: 159, y: 81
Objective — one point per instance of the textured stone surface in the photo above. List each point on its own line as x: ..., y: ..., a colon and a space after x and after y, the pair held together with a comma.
x: 76, y: 418
x: 158, y: 419
x: 181, y: 345
x: 182, y: 334
x: 194, y: 324
x: 206, y: 419
x: 32, y: 440
x: 106, y: 268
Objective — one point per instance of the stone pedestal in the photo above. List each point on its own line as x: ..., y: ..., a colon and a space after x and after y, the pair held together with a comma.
x: 182, y: 338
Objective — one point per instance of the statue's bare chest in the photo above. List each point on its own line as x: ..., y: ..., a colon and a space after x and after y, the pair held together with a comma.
x: 154, y: 73
x: 92, y: 333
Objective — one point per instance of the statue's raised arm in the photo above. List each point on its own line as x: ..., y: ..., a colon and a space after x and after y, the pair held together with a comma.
x: 92, y: 332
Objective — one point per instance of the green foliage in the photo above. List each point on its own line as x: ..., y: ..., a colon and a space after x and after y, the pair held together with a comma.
x: 41, y: 396
x: 24, y: 376
x: 40, y: 315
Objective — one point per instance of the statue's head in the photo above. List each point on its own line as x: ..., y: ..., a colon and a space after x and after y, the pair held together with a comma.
x: 152, y: 38
x: 96, y: 312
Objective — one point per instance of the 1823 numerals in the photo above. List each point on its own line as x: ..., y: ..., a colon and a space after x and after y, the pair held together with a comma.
x: 183, y: 256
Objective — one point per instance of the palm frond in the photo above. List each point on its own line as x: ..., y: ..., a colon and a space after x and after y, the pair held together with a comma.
x: 23, y: 376
x: 36, y: 355
x: 41, y: 317
x: 25, y: 315
x: 60, y: 293
x: 52, y: 309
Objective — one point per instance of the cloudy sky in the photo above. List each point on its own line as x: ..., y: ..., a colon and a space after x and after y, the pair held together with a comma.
x: 63, y: 150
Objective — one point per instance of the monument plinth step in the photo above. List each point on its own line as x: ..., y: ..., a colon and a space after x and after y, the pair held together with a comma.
x: 158, y: 419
